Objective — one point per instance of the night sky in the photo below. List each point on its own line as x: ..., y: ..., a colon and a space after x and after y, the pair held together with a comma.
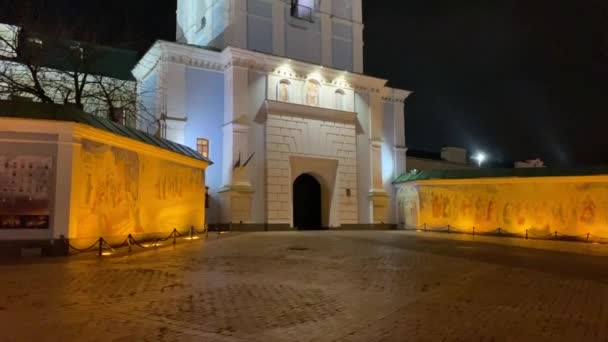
x: 518, y: 79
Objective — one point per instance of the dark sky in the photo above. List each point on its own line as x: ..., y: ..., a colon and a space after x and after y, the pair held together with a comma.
x: 516, y: 78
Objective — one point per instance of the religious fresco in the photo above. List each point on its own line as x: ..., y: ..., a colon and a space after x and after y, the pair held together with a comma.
x: 25, y: 190
x: 571, y: 208
x: 121, y: 192
x: 312, y: 93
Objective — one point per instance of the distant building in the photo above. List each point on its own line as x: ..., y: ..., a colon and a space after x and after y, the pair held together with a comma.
x: 531, y: 163
x: 450, y: 158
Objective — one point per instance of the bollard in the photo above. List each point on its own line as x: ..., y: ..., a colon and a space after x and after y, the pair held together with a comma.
x: 556, y: 235
x: 587, y: 237
x: 526, y: 234
x: 174, y: 236
x: 206, y: 230
x: 425, y: 227
x: 129, y: 242
x: 100, y: 246
x: 499, y: 231
x: 473, y: 231
x: 191, y: 232
x: 448, y: 228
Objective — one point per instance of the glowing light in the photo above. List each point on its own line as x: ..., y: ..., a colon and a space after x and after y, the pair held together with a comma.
x: 193, y: 238
x: 341, y: 82
x: 315, y: 76
x: 480, y: 157
x: 107, y: 253
x: 285, y: 70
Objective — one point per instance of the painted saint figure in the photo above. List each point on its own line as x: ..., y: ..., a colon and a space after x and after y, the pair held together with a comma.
x: 312, y: 93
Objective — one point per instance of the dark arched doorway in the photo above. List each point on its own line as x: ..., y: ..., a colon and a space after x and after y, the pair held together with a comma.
x: 306, y: 202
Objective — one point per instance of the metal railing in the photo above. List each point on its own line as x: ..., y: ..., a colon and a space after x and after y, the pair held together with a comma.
x: 531, y: 234
x: 102, y: 247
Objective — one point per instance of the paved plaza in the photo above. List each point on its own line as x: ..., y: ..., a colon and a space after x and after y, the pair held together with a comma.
x: 314, y: 286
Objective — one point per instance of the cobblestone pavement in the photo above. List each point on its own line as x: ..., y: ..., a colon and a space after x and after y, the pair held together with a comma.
x: 311, y: 286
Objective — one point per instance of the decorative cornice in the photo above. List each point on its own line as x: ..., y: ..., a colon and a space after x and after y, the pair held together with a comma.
x: 164, y: 51
x: 234, y: 57
x: 395, y: 95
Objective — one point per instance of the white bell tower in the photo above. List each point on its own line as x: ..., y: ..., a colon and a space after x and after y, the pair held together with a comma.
x: 322, y: 32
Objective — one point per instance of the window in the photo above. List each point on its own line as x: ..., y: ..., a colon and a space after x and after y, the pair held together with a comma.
x: 313, y: 92
x: 283, y: 90
x: 339, y: 97
x: 303, y: 9
x: 202, y: 147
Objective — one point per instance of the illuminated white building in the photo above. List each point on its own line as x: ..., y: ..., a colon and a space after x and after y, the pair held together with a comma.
x: 273, y: 90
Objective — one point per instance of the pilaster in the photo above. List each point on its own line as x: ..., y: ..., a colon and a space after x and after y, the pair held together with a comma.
x: 326, y: 33
x: 357, y: 37
x: 173, y: 107
x: 237, y: 28
x: 236, y: 194
x: 278, y: 27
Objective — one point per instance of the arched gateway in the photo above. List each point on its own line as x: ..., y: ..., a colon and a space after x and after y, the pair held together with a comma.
x: 307, y: 203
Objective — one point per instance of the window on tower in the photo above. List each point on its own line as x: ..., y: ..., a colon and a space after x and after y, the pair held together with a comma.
x: 303, y: 9
x: 202, y: 147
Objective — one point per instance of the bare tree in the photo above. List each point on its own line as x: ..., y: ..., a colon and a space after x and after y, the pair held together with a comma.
x: 53, y: 68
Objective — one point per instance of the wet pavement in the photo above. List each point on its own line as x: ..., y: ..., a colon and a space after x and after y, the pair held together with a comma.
x: 315, y: 286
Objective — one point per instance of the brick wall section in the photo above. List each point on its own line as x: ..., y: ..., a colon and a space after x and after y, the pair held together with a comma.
x: 287, y: 135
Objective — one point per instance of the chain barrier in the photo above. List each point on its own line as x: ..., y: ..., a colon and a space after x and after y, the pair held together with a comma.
x: 101, y: 245
x: 501, y: 232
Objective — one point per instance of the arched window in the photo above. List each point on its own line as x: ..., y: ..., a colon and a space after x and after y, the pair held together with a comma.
x: 313, y: 93
x: 339, y: 98
x: 283, y: 90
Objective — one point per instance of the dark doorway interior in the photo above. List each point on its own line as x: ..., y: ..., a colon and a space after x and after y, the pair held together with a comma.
x: 307, y: 203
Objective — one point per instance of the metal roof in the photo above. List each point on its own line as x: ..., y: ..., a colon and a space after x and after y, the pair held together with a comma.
x: 46, y: 111
x: 499, y: 173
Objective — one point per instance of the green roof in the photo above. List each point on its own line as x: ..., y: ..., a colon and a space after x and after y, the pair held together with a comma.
x: 47, y: 111
x: 498, y: 173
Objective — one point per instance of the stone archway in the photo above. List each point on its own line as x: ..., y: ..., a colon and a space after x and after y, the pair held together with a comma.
x: 307, y: 203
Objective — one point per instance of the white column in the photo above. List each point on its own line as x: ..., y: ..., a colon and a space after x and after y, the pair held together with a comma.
x: 236, y: 101
x: 357, y: 36
x: 237, y: 28
x: 376, y: 124
x: 400, y: 149
x: 67, y: 148
x: 278, y: 28
x: 174, y: 87
x: 237, y: 190
x: 378, y: 196
x: 326, y: 34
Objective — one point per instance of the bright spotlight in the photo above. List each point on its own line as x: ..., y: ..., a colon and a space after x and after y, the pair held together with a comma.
x: 480, y: 157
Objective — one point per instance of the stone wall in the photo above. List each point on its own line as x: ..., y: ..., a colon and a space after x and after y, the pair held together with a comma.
x: 542, y: 205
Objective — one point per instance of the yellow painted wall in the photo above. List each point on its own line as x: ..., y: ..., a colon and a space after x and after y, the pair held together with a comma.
x: 575, y: 207
x: 119, y: 191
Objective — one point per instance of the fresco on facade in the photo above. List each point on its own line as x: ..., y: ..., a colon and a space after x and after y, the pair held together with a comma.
x: 121, y: 192
x: 573, y: 208
x: 25, y: 183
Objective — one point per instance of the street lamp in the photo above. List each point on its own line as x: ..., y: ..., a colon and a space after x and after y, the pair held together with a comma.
x: 480, y: 157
